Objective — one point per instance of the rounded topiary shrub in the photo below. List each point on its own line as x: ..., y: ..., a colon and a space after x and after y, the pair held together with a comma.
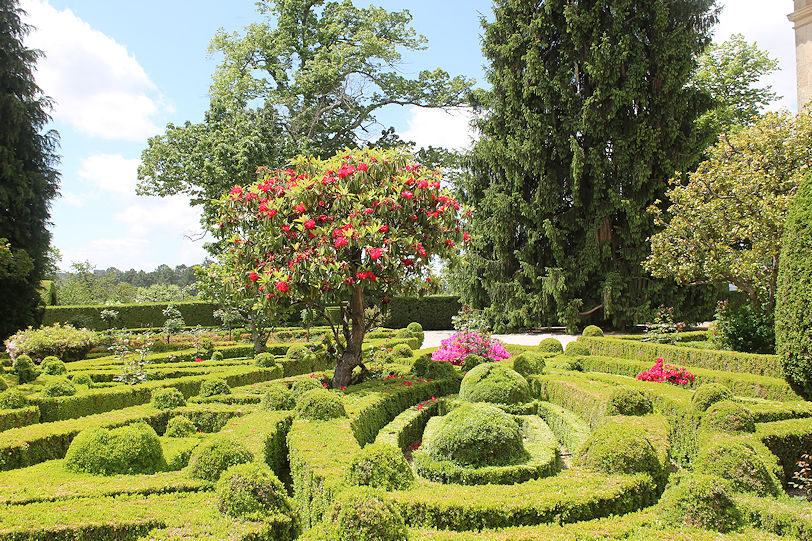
x: 12, y: 399
x: 701, y: 501
x: 216, y: 356
x: 264, y: 360
x: 131, y: 449
x: 301, y: 386
x: 729, y: 417
x: 59, y: 388
x: 551, y: 345
x: 167, y: 398
x: 793, y: 311
x: 475, y: 435
x: 709, y: 394
x: 53, y: 366
x: 739, y: 464
x: 82, y: 379
x: 252, y: 491
x: 211, y: 459
x: 624, y: 401
x: 576, y: 349
x: 402, y: 333
x: 417, y: 331
x: 401, y: 351
x: 471, y: 361
x: 3, y: 384
x: 494, y: 382
x: 214, y: 387
x: 380, y: 466
x: 528, y: 363
x: 440, y: 370
x: 320, y: 405
x: 592, y: 330
x: 419, y: 365
x: 205, y: 348
x: 277, y: 397
x: 297, y: 352
x: 25, y: 369
x: 363, y: 514
x: 180, y: 426
x: 614, y: 448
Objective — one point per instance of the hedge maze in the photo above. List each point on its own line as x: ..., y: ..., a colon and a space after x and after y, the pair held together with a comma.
x: 242, y: 448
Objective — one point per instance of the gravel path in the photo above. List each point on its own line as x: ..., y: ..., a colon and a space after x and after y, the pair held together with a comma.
x: 433, y: 338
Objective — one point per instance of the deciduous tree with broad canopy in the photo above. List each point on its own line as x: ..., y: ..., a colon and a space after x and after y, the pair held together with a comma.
x: 350, y: 231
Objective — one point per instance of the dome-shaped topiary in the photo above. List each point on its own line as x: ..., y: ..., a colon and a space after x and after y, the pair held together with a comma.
x: 729, y: 417
x: 475, y: 435
x: 12, y: 399
x: 264, y: 360
x: 53, y: 366
x: 528, y: 363
x: 440, y: 370
x: 320, y: 405
x: 301, y: 386
x: 551, y: 345
x: 297, y: 352
x: 625, y: 401
x: 167, y: 398
x: 616, y: 448
x: 793, y: 312
x: 212, y: 458
x: 82, y: 379
x: 61, y: 387
x: 214, y: 387
x: 709, y: 394
x: 25, y: 369
x: 576, y: 349
x: 216, y: 356
x: 419, y: 365
x: 701, y: 501
x: 363, y: 514
x: 380, y: 466
x: 494, y: 382
x: 471, y: 361
x: 739, y: 464
x: 401, y: 351
x: 592, y: 330
x: 131, y: 449
x: 180, y: 426
x: 277, y: 397
x: 417, y: 331
x: 251, y: 491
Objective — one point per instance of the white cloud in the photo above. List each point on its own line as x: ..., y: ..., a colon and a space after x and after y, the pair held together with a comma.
x: 168, y: 216
x: 133, y: 253
x: 447, y: 128
x: 99, y: 88
x: 71, y: 199
x: 111, y: 173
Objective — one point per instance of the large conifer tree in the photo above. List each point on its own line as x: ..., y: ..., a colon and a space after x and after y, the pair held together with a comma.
x: 28, y: 179
x: 588, y: 118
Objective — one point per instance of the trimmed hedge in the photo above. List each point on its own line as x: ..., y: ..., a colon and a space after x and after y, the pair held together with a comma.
x: 432, y: 312
x: 15, y: 418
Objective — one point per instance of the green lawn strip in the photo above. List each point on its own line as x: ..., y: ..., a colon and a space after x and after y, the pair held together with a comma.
x: 781, y: 516
x: 570, y: 429
x: 264, y: 433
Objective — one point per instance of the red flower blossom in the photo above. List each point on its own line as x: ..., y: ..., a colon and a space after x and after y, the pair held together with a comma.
x: 310, y: 224
x: 449, y: 242
x: 341, y: 241
x: 198, y: 360
x: 375, y: 253
x: 407, y: 194
x: 422, y: 184
x: 282, y: 287
x: 299, y: 208
x: 384, y: 228
x: 466, y: 236
x: 363, y: 167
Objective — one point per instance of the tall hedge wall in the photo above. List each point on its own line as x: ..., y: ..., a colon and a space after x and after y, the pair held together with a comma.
x: 433, y: 313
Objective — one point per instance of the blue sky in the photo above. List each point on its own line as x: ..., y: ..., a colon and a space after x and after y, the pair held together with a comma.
x: 120, y: 71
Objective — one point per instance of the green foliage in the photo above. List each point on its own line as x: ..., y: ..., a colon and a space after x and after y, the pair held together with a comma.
x: 528, y: 363
x: 3, y: 384
x: 417, y: 331
x: 251, y: 491
x: 737, y: 463
x: 494, y: 382
x: 62, y: 341
x: 133, y: 316
x: 12, y: 399
x: 401, y: 351
x: 728, y: 416
x: 212, y: 458
x: 319, y: 405
x: 471, y: 361
x: 277, y: 397
x: 214, y: 386
x: 61, y: 387
x: 793, y: 327
x: 363, y: 514
x: 180, y: 426
x: 82, y: 379
x: 25, y: 369
x: 130, y: 449
x: 52, y: 366
x: 440, y: 370
x: 576, y: 349
x: 301, y: 386
x: 217, y: 356
x: 167, y: 398
x: 708, y: 394
x: 380, y: 466
x: 742, y: 328
x: 615, y: 448
x: 551, y: 345
x: 700, y: 501
x: 625, y: 401
x: 433, y: 312
x: 264, y: 360
x: 592, y: 330
x: 297, y: 352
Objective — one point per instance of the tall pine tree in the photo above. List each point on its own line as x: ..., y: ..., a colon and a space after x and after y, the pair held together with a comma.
x: 588, y: 117
x: 28, y: 178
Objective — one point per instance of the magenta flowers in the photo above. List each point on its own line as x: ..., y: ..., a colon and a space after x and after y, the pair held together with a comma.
x: 455, y: 348
x: 665, y: 373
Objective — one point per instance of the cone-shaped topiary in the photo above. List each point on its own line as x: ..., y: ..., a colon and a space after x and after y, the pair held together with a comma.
x: 83, y: 379
x: 496, y: 383
x: 25, y: 369
x: 180, y: 426
x: 709, y: 394
x: 252, y: 491
x: 61, y: 387
x: 401, y: 351
x: 739, y: 464
x: 625, y: 401
x: 363, y: 514
x: 216, y: 356
x: 214, y: 387
x: 301, y: 386
x: 701, y: 501
x: 12, y: 399
x: 417, y: 331
x: 379, y: 465
x: 551, y: 345
x: 264, y: 360
x: 131, y: 449
x: 320, y: 405
x: 729, y: 417
x: 211, y: 459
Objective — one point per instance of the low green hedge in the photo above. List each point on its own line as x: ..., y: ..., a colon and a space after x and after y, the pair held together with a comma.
x: 570, y: 429
x: 132, y: 316
x: 785, y: 517
x: 16, y: 418
x: 787, y: 440
x: 407, y: 428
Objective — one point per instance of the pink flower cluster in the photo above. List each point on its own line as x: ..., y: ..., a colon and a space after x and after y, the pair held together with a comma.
x: 665, y: 373
x: 455, y: 348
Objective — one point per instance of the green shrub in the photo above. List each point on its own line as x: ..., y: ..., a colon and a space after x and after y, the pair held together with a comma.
x: 625, y: 401
x: 729, y: 417
x: 3, y: 384
x: 58, y: 388
x: 471, y: 361
x: 25, y: 369
x: 551, y: 345
x: 205, y: 348
x: 494, y: 382
x: 363, y: 514
x: 131, y: 449
x: 12, y: 399
x: 264, y: 360
x: 402, y: 333
x: 793, y: 314
x: 475, y: 435
x: 743, y: 329
x: 53, y: 366
x: 180, y: 426
x: 440, y: 370
x: 739, y: 464
x: 82, y: 379
x: 379, y: 465
x: 420, y: 364
x: 615, y: 448
x: 64, y: 342
x: 528, y: 363
x: 576, y: 349
x: 417, y: 331
x: 401, y: 351
x: 278, y: 397
x: 301, y: 386
x: 167, y: 398
x: 212, y: 458
x: 159, y: 347
x: 213, y: 387
x: 700, y: 501
x: 320, y: 405
x: 251, y: 491
x: 709, y: 394
x: 297, y: 352
x: 592, y: 330
x: 217, y: 356
x: 564, y: 363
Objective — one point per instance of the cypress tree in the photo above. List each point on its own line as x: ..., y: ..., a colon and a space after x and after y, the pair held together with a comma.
x: 589, y: 117
x: 28, y: 178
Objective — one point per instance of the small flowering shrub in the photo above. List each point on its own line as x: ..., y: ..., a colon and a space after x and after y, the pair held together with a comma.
x: 802, y: 478
x: 62, y: 341
x: 457, y: 347
x: 663, y: 329
x: 665, y: 373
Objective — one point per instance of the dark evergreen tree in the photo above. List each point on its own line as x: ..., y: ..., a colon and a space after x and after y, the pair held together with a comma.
x: 28, y: 178
x: 588, y: 118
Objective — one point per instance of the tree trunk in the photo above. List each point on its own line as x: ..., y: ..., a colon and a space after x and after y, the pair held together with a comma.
x: 256, y: 336
x: 352, y: 354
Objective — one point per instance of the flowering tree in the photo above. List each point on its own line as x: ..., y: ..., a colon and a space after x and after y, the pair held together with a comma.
x: 351, y: 231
